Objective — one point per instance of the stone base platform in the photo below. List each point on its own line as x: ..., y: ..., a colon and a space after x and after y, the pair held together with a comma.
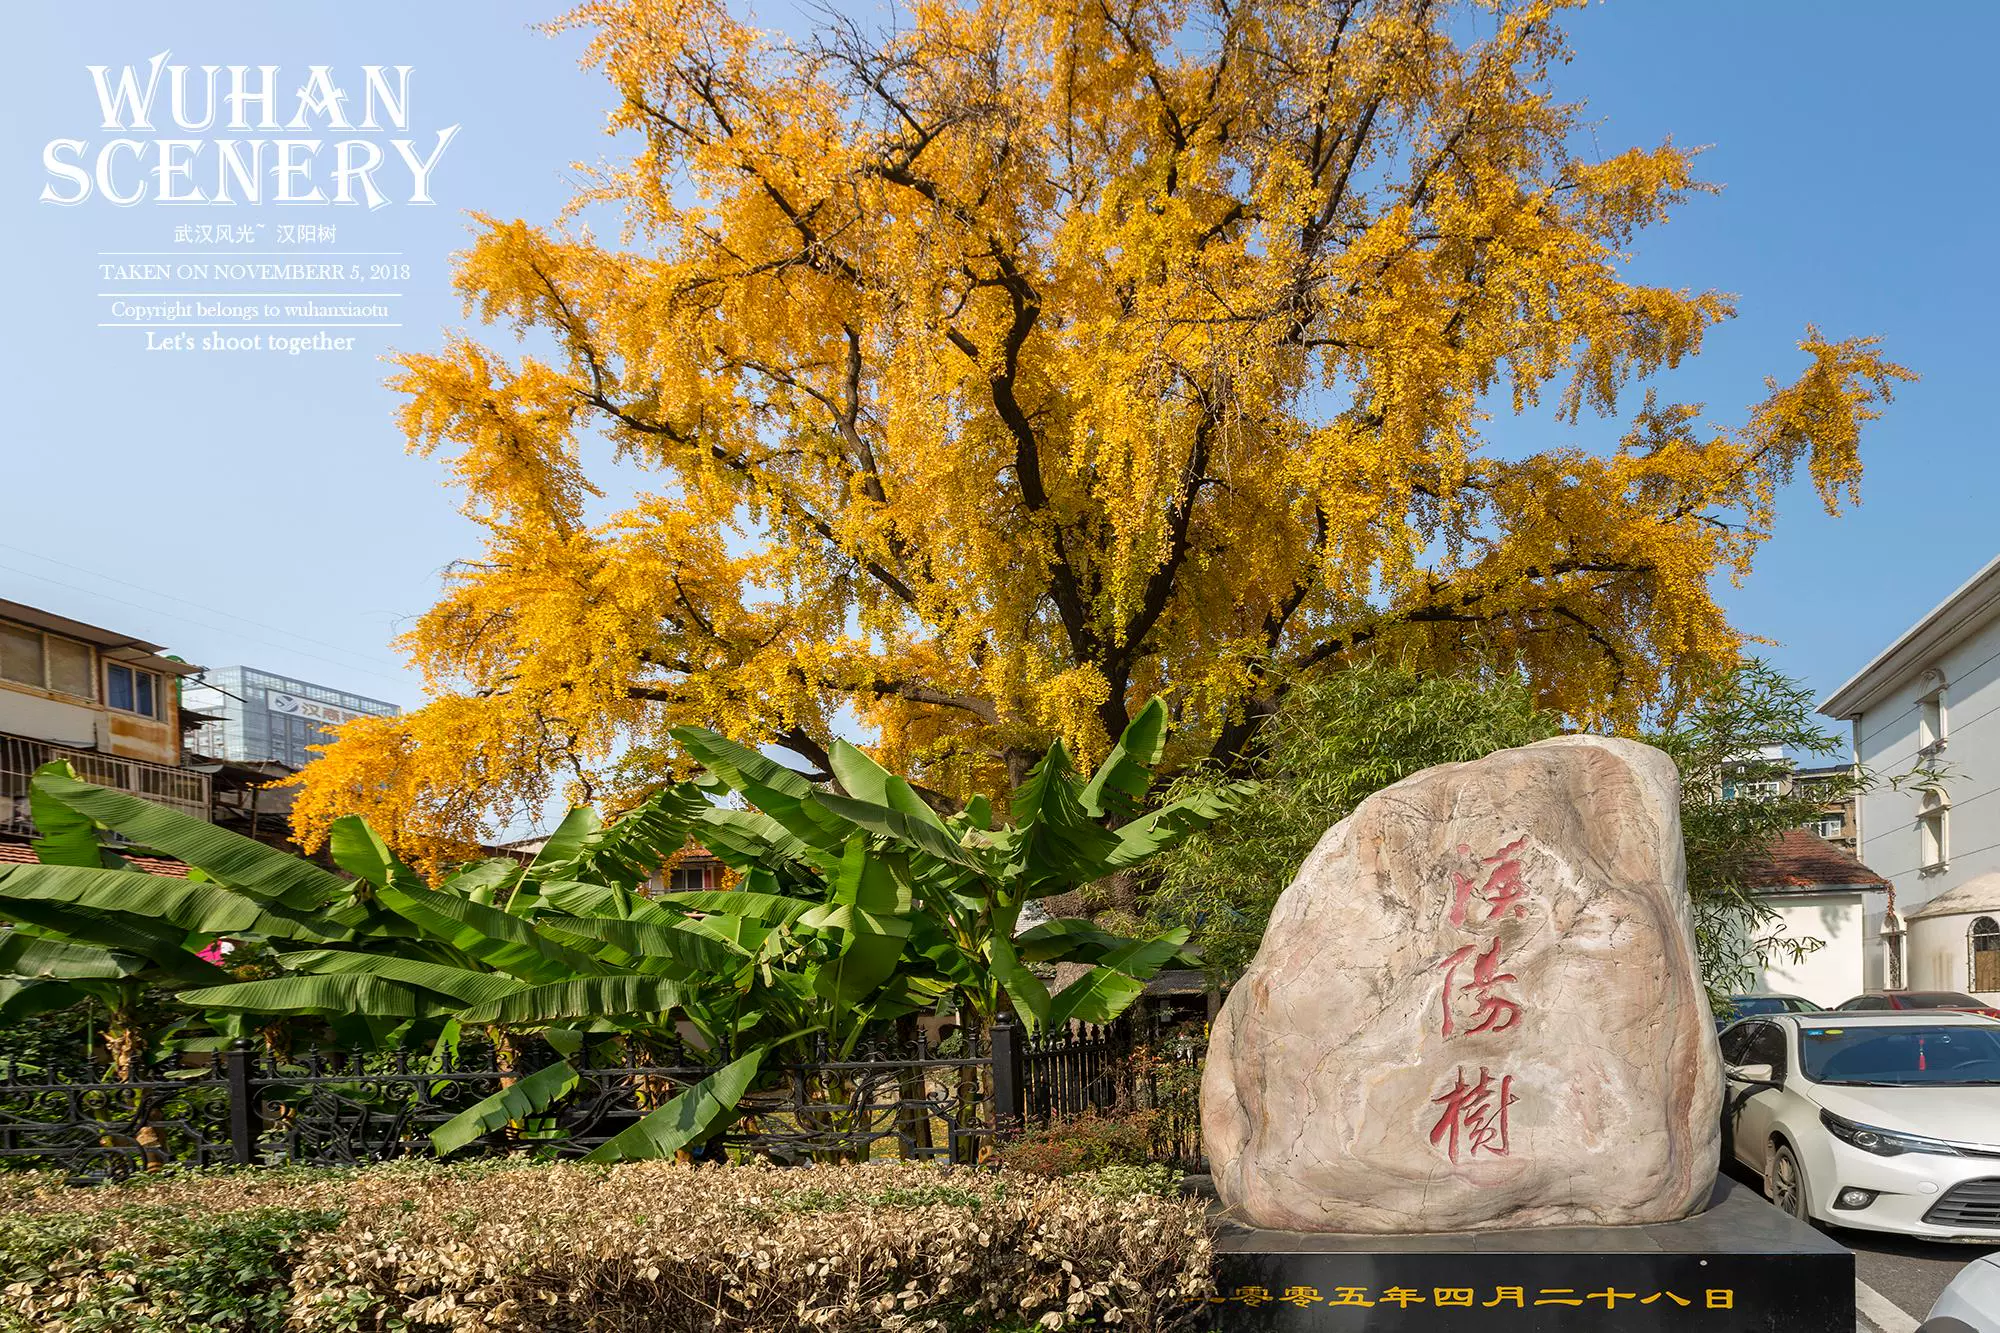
x: 1738, y: 1267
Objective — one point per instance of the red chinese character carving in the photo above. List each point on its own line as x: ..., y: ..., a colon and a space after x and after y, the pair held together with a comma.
x: 1496, y: 1012
x: 1475, y: 1113
x: 1502, y: 889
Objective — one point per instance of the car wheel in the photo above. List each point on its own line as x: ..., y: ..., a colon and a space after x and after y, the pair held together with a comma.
x: 1786, y: 1183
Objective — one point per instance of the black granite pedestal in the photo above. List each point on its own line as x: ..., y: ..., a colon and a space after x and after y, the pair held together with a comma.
x: 1739, y: 1266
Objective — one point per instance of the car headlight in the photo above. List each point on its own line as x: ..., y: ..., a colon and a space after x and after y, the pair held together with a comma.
x: 1883, y: 1142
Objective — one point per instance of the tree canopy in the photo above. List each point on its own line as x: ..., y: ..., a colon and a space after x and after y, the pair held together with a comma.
x: 999, y: 369
x: 1339, y: 740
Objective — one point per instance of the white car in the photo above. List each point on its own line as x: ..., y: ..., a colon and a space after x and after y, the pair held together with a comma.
x: 1879, y: 1121
x: 1971, y: 1304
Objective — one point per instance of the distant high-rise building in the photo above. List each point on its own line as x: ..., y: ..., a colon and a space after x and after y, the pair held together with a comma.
x: 256, y: 717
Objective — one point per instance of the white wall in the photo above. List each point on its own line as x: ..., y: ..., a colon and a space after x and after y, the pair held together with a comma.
x: 43, y: 718
x: 1940, y: 954
x: 1838, y: 969
x: 1885, y: 742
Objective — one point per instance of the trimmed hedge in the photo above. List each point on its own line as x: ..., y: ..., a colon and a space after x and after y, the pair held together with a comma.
x: 562, y: 1247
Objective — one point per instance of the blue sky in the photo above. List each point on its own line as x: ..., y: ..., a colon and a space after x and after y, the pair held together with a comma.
x: 261, y: 509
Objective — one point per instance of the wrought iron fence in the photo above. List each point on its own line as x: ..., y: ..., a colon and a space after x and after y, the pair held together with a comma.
x: 1122, y: 1067
x: 913, y: 1100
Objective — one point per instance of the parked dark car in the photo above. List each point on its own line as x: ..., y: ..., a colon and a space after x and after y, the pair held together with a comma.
x: 1921, y: 999
x: 1759, y: 1004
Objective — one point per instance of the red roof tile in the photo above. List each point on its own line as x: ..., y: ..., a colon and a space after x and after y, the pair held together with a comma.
x: 21, y: 854
x: 1800, y: 859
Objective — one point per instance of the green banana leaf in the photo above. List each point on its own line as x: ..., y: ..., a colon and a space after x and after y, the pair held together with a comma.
x: 929, y: 836
x: 1126, y: 775
x: 349, y: 994
x: 237, y: 862
x: 459, y: 983
x: 631, y: 848
x: 361, y: 852
x: 484, y: 881
x: 1098, y: 996
x: 768, y: 908
x: 565, y: 842
x: 40, y: 958
x: 24, y: 999
x: 1055, y: 843
x: 690, y: 1117
x: 501, y: 941
x: 976, y: 817
x: 165, y: 946
x: 67, y: 837
x: 1171, y: 824
x: 525, y: 1097
x: 1024, y: 988
x: 581, y: 997
x: 602, y: 900
x: 745, y: 839
x: 1108, y: 990
x: 202, y: 909
x: 681, y: 943
x: 870, y: 909
x: 1076, y: 940
x: 777, y: 791
x: 866, y: 781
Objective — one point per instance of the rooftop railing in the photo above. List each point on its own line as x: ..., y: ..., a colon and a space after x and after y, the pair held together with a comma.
x: 179, y: 788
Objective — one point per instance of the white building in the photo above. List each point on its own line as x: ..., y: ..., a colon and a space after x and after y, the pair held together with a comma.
x: 1818, y: 891
x: 1926, y: 713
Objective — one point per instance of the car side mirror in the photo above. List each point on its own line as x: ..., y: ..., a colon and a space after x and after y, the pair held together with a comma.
x: 1752, y: 1074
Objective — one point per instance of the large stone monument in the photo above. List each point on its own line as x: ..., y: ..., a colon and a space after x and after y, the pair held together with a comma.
x: 1477, y: 1007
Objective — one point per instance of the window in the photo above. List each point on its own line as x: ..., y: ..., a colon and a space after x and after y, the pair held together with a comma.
x: 688, y: 879
x: 1985, y: 941
x: 46, y: 661
x: 1767, y: 1047
x: 1933, y: 841
x: 69, y: 666
x: 1735, y: 1042
x: 1931, y: 721
x: 20, y: 654
x: 1829, y: 826
x: 131, y: 690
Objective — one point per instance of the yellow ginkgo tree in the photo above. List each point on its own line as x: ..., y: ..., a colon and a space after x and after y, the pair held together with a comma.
x: 998, y: 369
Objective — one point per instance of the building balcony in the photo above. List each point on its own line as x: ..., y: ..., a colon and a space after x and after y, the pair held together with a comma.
x: 177, y: 788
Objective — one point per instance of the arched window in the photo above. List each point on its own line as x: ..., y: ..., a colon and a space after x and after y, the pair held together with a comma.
x: 1985, y: 940
x: 1934, y: 846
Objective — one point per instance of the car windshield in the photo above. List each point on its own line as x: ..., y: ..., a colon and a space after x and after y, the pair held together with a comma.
x: 1746, y: 1005
x: 1913, y: 1054
x: 1940, y: 999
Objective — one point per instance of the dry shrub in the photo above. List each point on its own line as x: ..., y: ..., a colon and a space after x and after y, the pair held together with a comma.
x: 653, y: 1246
x: 1087, y: 1142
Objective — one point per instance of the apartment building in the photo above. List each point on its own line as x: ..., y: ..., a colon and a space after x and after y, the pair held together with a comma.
x: 105, y: 701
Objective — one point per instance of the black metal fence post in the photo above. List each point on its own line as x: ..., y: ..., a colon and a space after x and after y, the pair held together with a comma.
x: 242, y: 1109
x: 1009, y: 1084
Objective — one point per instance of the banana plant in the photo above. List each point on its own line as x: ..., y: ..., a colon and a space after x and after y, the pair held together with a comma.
x: 564, y: 947
x: 852, y: 909
x: 912, y: 892
x: 86, y: 925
